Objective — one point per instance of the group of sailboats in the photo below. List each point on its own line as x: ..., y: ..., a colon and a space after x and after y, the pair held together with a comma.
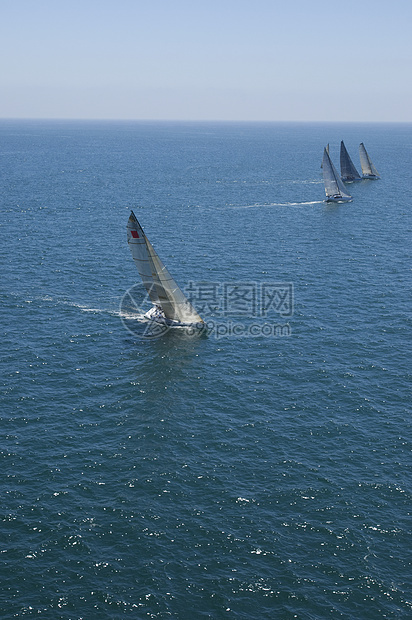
x: 335, y: 188
x: 170, y: 307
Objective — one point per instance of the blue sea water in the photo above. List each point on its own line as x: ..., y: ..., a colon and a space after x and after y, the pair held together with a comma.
x: 262, y: 474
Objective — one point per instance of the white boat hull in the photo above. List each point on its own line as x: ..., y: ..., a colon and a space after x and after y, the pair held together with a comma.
x: 156, y: 315
x: 338, y: 199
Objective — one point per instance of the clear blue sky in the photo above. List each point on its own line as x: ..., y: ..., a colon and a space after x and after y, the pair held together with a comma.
x: 297, y: 60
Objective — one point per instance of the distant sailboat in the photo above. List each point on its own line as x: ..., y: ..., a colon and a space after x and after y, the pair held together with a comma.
x: 368, y: 169
x: 348, y: 171
x: 334, y: 187
x: 170, y: 305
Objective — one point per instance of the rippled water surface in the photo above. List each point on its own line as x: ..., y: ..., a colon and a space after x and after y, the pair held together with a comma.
x: 257, y: 474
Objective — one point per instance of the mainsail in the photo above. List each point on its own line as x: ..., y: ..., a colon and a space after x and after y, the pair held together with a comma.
x: 334, y: 188
x: 348, y: 171
x: 161, y: 287
x: 368, y: 169
x: 327, y: 148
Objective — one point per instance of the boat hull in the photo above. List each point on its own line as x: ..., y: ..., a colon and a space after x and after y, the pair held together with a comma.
x: 156, y: 315
x: 338, y: 199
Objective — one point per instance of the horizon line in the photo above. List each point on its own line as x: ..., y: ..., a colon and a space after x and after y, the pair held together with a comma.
x: 200, y: 120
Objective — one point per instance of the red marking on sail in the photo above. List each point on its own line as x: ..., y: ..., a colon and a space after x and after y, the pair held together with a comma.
x: 135, y: 234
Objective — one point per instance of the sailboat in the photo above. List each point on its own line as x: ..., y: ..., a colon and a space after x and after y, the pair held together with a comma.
x: 368, y: 169
x: 170, y: 305
x: 334, y: 187
x: 348, y: 171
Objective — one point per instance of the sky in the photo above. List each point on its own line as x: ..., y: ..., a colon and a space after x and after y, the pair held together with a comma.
x: 229, y: 60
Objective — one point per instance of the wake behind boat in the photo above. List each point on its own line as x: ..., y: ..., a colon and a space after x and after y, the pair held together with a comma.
x: 348, y: 171
x: 170, y: 305
x: 334, y: 187
x: 368, y: 169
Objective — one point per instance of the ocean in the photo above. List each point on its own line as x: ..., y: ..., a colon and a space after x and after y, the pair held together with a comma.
x: 261, y: 470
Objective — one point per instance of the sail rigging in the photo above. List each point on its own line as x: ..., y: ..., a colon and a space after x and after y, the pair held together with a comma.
x: 348, y: 171
x: 368, y: 169
x: 334, y: 187
x: 162, y: 289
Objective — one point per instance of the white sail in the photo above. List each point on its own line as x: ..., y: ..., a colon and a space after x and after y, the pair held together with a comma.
x: 334, y: 188
x: 368, y: 169
x: 348, y: 171
x: 327, y: 148
x: 161, y: 287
